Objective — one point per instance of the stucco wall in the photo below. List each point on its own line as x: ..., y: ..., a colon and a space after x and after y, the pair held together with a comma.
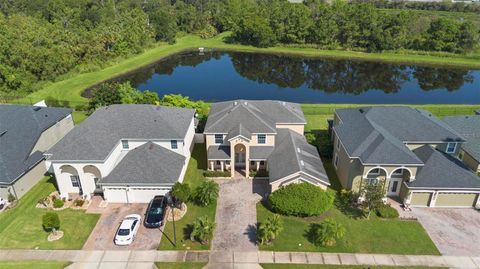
x: 470, y: 162
x: 53, y: 134
x: 299, y: 128
x: 26, y: 182
x: 439, y: 146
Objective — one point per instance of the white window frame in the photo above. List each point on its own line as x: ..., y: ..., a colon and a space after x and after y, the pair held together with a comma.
x: 454, y: 147
x: 264, y: 138
x: 75, y: 180
x: 174, y: 144
x: 215, y: 138
x: 125, y: 144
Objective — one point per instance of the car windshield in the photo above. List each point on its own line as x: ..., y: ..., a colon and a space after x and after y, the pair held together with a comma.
x: 156, y: 210
x: 123, y: 232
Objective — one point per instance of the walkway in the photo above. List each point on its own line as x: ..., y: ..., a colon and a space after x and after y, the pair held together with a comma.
x: 141, y: 259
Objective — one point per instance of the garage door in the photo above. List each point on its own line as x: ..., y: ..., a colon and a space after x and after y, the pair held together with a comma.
x: 456, y: 199
x: 144, y: 195
x: 420, y: 198
x: 115, y: 195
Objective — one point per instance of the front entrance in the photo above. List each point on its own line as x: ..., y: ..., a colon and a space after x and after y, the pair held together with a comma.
x: 393, y: 187
x: 240, y: 156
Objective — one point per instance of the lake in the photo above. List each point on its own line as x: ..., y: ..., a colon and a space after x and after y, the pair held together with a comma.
x: 218, y: 76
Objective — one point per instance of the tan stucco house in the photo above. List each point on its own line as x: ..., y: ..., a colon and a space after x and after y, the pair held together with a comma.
x: 26, y: 132
x: 125, y: 153
x: 244, y: 135
x: 410, y: 152
x: 469, y: 128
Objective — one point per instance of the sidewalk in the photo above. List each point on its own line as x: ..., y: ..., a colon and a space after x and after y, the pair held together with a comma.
x: 134, y: 257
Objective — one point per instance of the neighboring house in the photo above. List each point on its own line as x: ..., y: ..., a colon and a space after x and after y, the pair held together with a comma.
x: 469, y: 128
x: 26, y: 132
x: 409, y: 151
x: 127, y: 153
x: 263, y: 136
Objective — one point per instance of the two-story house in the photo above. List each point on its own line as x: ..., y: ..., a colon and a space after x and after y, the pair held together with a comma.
x: 26, y: 132
x: 409, y: 151
x: 243, y: 136
x: 127, y: 153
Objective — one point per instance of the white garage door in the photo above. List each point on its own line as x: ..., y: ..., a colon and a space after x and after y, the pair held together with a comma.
x: 115, y: 195
x: 144, y: 195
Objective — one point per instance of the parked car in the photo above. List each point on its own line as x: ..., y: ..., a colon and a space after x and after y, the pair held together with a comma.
x: 156, y: 212
x: 127, y: 230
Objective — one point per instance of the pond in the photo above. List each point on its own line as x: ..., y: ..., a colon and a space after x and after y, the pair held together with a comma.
x: 218, y: 76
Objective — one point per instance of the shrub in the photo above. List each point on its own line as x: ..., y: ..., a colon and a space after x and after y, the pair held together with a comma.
x: 181, y: 192
x: 58, y: 203
x: 78, y: 202
x: 270, y: 229
x: 387, y: 212
x: 210, y: 173
x: 202, y: 229
x: 206, y: 193
x: 311, y: 138
x: 373, y: 194
x: 259, y: 173
x: 51, y: 221
x: 301, y: 200
x: 11, y: 198
x: 326, y: 233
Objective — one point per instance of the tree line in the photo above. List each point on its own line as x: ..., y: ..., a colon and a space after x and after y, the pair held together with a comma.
x: 44, y: 40
x: 435, y: 6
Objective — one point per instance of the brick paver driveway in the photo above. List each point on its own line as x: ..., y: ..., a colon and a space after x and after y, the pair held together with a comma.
x: 103, y: 234
x: 236, y: 215
x: 454, y: 231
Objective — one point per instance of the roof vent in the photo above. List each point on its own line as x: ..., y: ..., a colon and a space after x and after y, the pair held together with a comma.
x: 235, y: 103
x: 298, y: 150
x: 150, y: 146
x: 37, y: 108
x: 302, y: 163
x: 246, y: 103
x: 284, y: 103
x: 361, y: 110
x: 2, y: 133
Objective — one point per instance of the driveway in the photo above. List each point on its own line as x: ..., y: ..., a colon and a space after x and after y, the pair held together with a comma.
x: 454, y: 231
x: 236, y: 216
x: 103, y: 234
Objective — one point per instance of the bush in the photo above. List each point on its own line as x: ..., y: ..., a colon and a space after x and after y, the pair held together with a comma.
x: 51, y: 221
x: 387, y: 212
x: 301, y: 200
x: 210, y: 173
x: 79, y: 202
x: 181, y: 192
x: 269, y: 230
x: 326, y: 232
x: 11, y: 198
x: 206, y: 193
x: 58, y: 203
x: 202, y: 229
x: 259, y: 173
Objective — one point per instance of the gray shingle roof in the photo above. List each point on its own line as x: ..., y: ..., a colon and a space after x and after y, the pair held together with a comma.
x: 260, y: 152
x: 377, y: 134
x: 255, y: 116
x: 238, y: 130
x: 20, y: 128
x: 149, y: 164
x: 98, y: 134
x: 293, y: 154
x: 219, y: 153
x: 469, y: 128
x: 442, y: 171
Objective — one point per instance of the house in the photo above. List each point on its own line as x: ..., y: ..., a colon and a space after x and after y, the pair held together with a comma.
x: 409, y: 151
x: 244, y: 136
x: 469, y: 128
x: 26, y: 132
x: 127, y: 153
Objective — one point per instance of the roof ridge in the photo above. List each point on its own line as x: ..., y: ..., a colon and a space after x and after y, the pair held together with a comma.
x: 290, y: 109
x: 438, y: 122
x: 257, y: 116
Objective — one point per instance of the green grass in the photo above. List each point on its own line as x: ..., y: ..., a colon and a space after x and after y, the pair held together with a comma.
x: 318, y: 266
x: 79, y: 116
x: 194, y: 177
x: 180, y: 265
x: 33, y: 265
x: 70, y: 89
x: 21, y: 227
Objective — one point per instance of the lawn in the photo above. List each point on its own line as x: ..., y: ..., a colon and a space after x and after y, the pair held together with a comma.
x: 193, y: 176
x: 21, y: 227
x: 33, y: 265
x: 79, y: 116
x: 180, y: 265
x: 318, y: 266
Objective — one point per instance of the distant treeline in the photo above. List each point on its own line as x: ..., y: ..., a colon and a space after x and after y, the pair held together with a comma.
x: 41, y: 40
x: 436, y: 6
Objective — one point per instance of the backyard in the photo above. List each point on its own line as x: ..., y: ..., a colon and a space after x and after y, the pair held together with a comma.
x: 194, y: 177
x: 21, y: 227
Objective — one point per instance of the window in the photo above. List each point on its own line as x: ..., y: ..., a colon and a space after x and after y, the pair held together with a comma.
x: 398, y: 172
x: 375, y: 171
x: 262, y: 163
x: 262, y: 139
x: 336, y: 161
x: 75, y: 181
x: 451, y: 147
x: 371, y: 181
x: 252, y: 163
x: 125, y: 144
x: 218, y: 139
x: 338, y: 143
x: 218, y: 162
x: 173, y: 144
x: 227, y: 162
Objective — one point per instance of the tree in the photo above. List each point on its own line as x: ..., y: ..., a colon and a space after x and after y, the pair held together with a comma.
x: 326, y: 233
x: 270, y: 229
x: 181, y: 193
x: 206, y: 193
x: 51, y: 222
x: 202, y: 229
x: 106, y: 94
x: 177, y: 100
x: 373, y: 195
x: 254, y: 30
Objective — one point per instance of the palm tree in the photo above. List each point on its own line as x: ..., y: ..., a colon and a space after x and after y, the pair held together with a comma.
x: 202, y: 229
x: 327, y: 232
x: 270, y: 229
x: 206, y: 193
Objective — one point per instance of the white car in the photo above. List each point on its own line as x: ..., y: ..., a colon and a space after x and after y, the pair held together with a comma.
x: 127, y: 230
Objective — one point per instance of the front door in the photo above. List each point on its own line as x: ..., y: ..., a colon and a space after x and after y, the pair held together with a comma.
x: 394, y: 187
x: 239, y: 158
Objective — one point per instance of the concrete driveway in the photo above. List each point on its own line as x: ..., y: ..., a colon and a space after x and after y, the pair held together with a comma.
x: 103, y: 234
x: 454, y: 231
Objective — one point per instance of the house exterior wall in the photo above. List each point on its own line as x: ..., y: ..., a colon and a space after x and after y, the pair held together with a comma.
x: 440, y: 146
x: 269, y: 141
x: 53, y: 134
x: 470, y: 161
x: 299, y: 128
x: 25, y: 182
